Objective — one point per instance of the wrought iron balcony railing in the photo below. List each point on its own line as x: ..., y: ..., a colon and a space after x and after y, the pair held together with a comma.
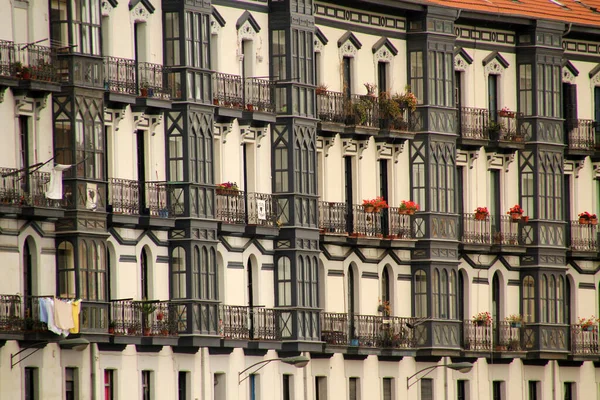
x: 477, y: 336
x: 156, y: 199
x: 363, y: 111
x: 232, y: 206
x: 331, y: 107
x: 152, y: 81
x: 120, y: 75
x: 143, y: 318
x: 7, y: 58
x: 584, y: 237
x: 474, y: 123
x: 228, y: 90
x: 26, y: 190
x: 584, y: 340
x: 476, y: 231
x: 505, y: 231
x: 258, y: 94
x: 36, y: 62
x: 367, y: 331
x: 508, y: 336
x: 337, y: 218
x: 506, y: 127
x: 580, y: 134
x: 124, y: 196
x: 248, y: 323
x: 11, y: 313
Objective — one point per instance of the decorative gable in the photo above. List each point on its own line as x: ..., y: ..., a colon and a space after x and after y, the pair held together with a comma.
x: 494, y: 64
x: 320, y: 40
x: 140, y: 10
x: 348, y: 45
x: 384, y: 50
x: 107, y: 6
x: 462, y: 59
x: 216, y: 22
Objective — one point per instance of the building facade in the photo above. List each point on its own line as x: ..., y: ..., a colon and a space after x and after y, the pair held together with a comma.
x: 221, y: 159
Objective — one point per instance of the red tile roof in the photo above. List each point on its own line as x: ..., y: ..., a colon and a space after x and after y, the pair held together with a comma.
x: 584, y: 12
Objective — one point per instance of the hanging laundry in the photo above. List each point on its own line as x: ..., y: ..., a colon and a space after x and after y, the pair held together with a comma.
x: 49, y: 306
x: 55, y: 191
x: 63, y: 315
x: 43, y: 310
x: 75, y: 308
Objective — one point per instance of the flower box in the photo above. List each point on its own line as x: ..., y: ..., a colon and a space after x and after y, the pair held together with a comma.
x: 583, y: 221
x: 480, y: 216
x: 227, y: 192
x: 369, y: 208
x: 406, y: 212
x: 506, y: 114
x: 515, y: 217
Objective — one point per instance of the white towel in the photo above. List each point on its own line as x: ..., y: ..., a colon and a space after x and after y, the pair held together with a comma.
x: 55, y: 191
x: 49, y: 305
x: 63, y: 315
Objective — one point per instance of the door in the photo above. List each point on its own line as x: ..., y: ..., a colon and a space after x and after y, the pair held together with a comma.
x: 349, y: 196
x: 382, y: 77
x: 460, y: 205
x: 496, y: 306
x: 383, y: 192
x: 24, y: 150
x: 144, y: 274
x: 567, y: 206
x: 493, y: 97
x: 250, y: 298
x: 385, y: 288
x: 458, y: 97
x: 141, y: 170
x: 27, y: 277
x: 495, y: 203
x: 351, y: 299
x: 570, y: 110
x: 346, y: 68
x: 597, y: 115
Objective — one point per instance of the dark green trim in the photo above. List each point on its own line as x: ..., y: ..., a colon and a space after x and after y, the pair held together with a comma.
x: 405, y: 277
x: 218, y: 17
x: 513, y: 282
x: 321, y: 36
x: 384, y: 41
x: 246, y: 16
x: 349, y: 36
x: 267, y: 267
x: 461, y: 51
x: 585, y: 285
x: 145, y: 3
x: 335, y: 272
x: 570, y: 67
x: 128, y: 258
x: 495, y: 56
x: 242, y: 5
x: 481, y: 281
x: 370, y: 275
x: 235, y: 265
x: 162, y: 259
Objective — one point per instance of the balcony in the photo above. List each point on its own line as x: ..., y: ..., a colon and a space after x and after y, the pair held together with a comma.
x: 34, y: 65
x: 157, y: 212
x: 254, y: 213
x: 584, y: 341
x: 153, y: 89
x: 132, y: 321
x: 505, y: 131
x: 508, y: 336
x: 336, y: 219
x: 501, y: 337
x: 248, y: 323
x: 127, y: 209
x: 583, y: 238
x: 362, y: 114
x: 506, y: 234
x: 120, y: 79
x: 476, y: 232
x: 375, y: 331
x: 247, y: 98
x: 7, y: 59
x: 198, y: 322
x: 580, y: 134
x: 477, y: 336
x: 25, y: 194
x: 474, y: 123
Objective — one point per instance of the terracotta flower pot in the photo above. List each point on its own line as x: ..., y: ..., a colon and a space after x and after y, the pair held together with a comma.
x: 406, y: 212
x: 369, y: 208
x: 583, y: 221
x: 593, y: 221
x: 515, y: 216
x: 480, y: 216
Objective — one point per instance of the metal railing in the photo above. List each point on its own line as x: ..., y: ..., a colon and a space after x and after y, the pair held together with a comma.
x: 124, y: 196
x: 399, y: 225
x: 366, y: 223
x: 120, y: 75
x: 476, y: 231
x: 152, y: 80
x: 331, y: 107
x: 158, y: 318
x: 507, y: 336
x: 507, y: 127
x: 584, y: 340
x: 126, y: 318
x: 258, y: 95
x: 232, y: 205
x: 474, y: 123
x: 11, y: 313
x: 7, y: 58
x: 262, y: 209
x: 156, y: 199
x: 580, y: 134
x: 584, y: 237
x: 362, y: 110
x: 505, y: 231
x: 228, y: 90
x: 332, y: 217
x: 477, y: 336
x: 23, y: 189
x: 37, y: 62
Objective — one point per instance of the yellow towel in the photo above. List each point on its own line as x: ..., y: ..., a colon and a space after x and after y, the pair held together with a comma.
x: 75, y: 305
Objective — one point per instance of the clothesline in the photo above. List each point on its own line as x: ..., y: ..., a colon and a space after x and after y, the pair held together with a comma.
x: 61, y: 316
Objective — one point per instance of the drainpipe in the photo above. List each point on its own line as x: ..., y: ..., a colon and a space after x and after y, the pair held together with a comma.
x: 93, y: 357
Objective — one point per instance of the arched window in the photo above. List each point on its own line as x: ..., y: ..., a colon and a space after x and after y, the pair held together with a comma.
x: 178, y: 271
x: 144, y: 274
x: 196, y: 274
x: 435, y: 294
x: 560, y: 300
x: 65, y: 260
x: 83, y: 263
x: 452, y: 295
x: 212, y: 275
x: 300, y: 273
x: 315, y: 282
x: 552, y: 300
x: 284, y: 282
x: 529, y: 299
x: 420, y: 294
x: 385, y: 286
x: 544, y: 299
x: 444, y: 295
x: 101, y: 275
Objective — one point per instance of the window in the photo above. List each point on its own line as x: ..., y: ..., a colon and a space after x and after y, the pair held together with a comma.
x: 92, y: 270
x: 382, y: 72
x: 497, y: 389
x: 354, y: 389
x: 182, y: 386
x: 253, y: 386
x: 71, y: 384
x: 176, y: 158
x: 441, y: 74
x: 31, y: 383
x: 144, y: 274
x: 552, y: 299
x: 280, y: 158
x: 385, y: 286
x: 321, y: 388
x: 302, y: 71
x: 426, y: 389
x: 172, y: 50
x: 279, y: 72
x: 388, y: 389
x: 85, y: 27
x: 208, y: 274
x: 462, y: 390
x: 347, y: 76
x: 452, y: 296
x: 527, y: 183
x: 493, y: 97
x: 441, y: 174
x: 178, y: 279
x: 548, y: 90
x: 287, y: 387
x: 89, y: 142
x: 529, y: 299
x: 525, y: 89
x: 109, y: 384
x: 200, y: 153
x: 569, y: 390
x: 550, y: 185
x: 420, y: 294
x: 435, y: 294
x: 418, y: 174
x: 220, y: 385
x: 533, y: 390
x: 146, y: 385
x: 444, y: 295
x: 197, y: 29
x: 416, y: 75
x: 65, y: 259
x: 284, y: 278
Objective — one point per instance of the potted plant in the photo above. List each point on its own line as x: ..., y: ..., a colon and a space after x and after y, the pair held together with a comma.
x: 358, y: 114
x: 585, y: 218
x: 16, y: 68
x: 374, y: 205
x: 514, y: 345
x: 144, y: 89
x: 111, y: 327
x: 406, y: 100
x: 588, y: 324
x: 483, y: 318
x: 494, y: 129
x: 389, y: 111
x: 506, y: 113
x: 227, y: 188
x: 147, y: 309
x: 481, y: 213
x: 384, y: 308
x: 408, y: 207
x: 371, y: 88
x: 515, y: 320
x: 515, y: 212
x: 321, y: 89
x: 26, y: 73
